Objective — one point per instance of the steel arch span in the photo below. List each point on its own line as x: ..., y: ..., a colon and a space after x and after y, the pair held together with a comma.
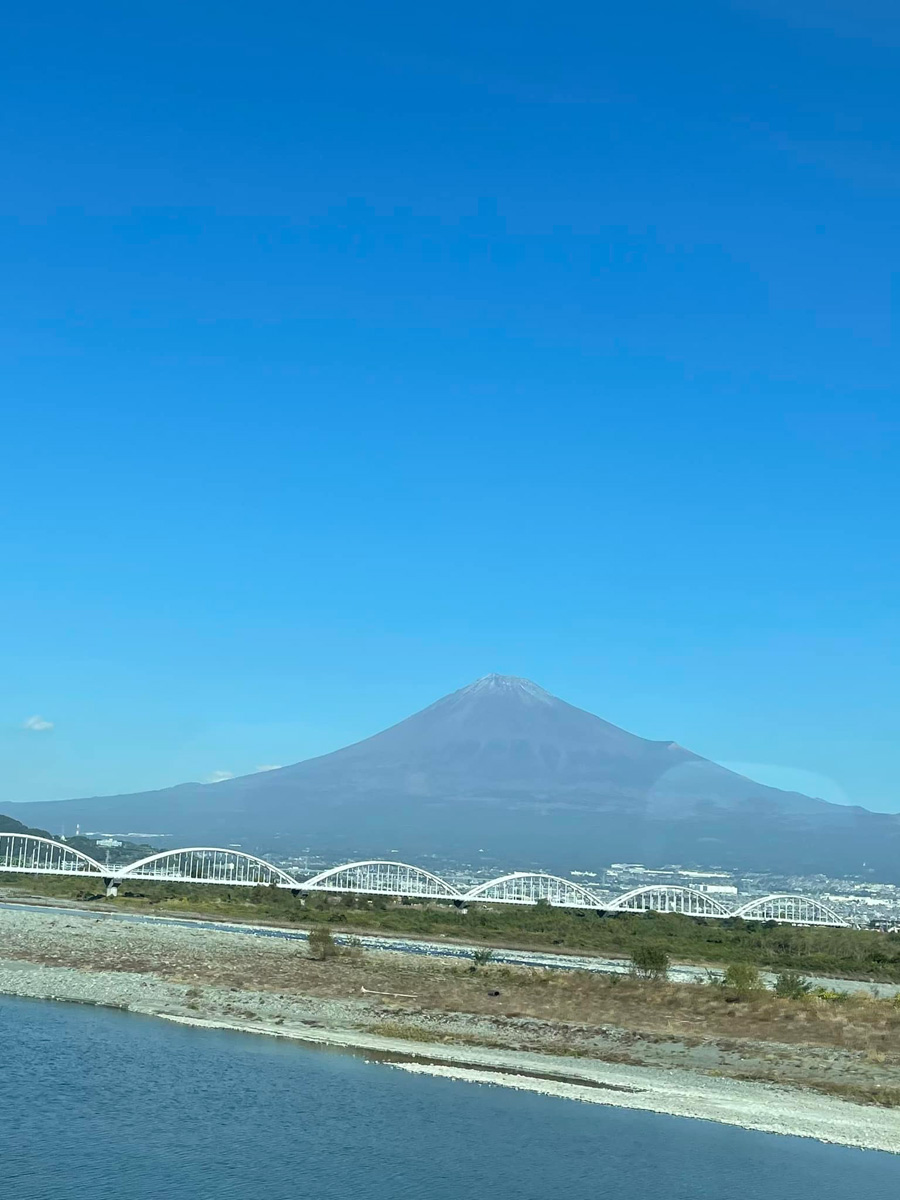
x: 528, y: 887
x: 669, y: 899
x: 33, y: 854
x: 789, y: 909
x: 379, y: 877
x: 43, y: 856
x: 207, y: 864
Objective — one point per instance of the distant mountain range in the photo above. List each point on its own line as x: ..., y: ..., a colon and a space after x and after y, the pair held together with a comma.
x: 503, y: 771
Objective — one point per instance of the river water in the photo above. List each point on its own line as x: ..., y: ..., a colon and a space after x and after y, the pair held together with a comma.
x: 98, y: 1102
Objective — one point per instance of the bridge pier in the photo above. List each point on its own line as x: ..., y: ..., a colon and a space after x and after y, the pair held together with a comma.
x: 112, y: 887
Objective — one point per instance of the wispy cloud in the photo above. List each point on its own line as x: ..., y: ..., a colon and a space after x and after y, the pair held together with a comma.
x: 270, y: 767
x: 37, y: 724
x: 219, y: 776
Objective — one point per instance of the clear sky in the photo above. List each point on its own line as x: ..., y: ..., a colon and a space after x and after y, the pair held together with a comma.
x: 352, y: 352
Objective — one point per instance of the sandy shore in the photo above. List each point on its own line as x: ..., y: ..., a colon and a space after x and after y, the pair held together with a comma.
x: 214, y: 980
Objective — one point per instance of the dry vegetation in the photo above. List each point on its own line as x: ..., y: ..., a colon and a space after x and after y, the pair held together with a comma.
x: 577, y: 1004
x: 854, y: 953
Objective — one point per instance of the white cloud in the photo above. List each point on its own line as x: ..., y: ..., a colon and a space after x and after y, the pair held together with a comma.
x: 37, y: 724
x: 219, y: 777
x: 270, y: 767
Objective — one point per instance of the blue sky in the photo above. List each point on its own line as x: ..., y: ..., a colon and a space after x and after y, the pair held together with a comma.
x: 350, y: 355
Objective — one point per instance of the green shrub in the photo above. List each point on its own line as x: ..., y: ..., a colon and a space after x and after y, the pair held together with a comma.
x: 742, y: 980
x: 482, y: 956
x: 649, y: 961
x: 791, y: 985
x: 833, y: 997
x: 321, y: 943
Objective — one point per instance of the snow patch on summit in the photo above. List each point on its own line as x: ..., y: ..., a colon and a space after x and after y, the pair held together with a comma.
x: 509, y: 685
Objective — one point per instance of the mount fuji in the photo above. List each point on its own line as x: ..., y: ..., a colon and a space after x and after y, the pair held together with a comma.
x: 505, y: 772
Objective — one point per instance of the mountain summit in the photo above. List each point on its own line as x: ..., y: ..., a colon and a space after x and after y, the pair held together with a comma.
x: 505, y: 769
x: 503, y: 685
x: 506, y: 735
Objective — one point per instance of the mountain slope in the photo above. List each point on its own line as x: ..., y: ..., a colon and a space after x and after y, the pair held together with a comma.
x: 503, y: 767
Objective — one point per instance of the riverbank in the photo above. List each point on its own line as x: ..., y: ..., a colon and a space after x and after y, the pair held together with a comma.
x: 559, y: 1033
x: 861, y: 955
x: 441, y: 947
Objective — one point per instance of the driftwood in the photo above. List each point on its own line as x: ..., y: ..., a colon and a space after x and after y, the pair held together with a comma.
x: 396, y: 995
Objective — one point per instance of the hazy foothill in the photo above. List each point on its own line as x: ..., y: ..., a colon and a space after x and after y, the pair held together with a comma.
x: 503, y: 768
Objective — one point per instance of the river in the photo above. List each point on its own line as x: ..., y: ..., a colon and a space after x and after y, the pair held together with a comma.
x: 95, y: 1101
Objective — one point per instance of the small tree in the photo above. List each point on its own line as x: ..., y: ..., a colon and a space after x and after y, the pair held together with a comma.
x: 482, y: 956
x: 742, y: 979
x: 791, y: 985
x: 649, y: 961
x: 321, y: 943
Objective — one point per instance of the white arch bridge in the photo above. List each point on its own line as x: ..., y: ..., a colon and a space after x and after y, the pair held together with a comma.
x: 29, y: 854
